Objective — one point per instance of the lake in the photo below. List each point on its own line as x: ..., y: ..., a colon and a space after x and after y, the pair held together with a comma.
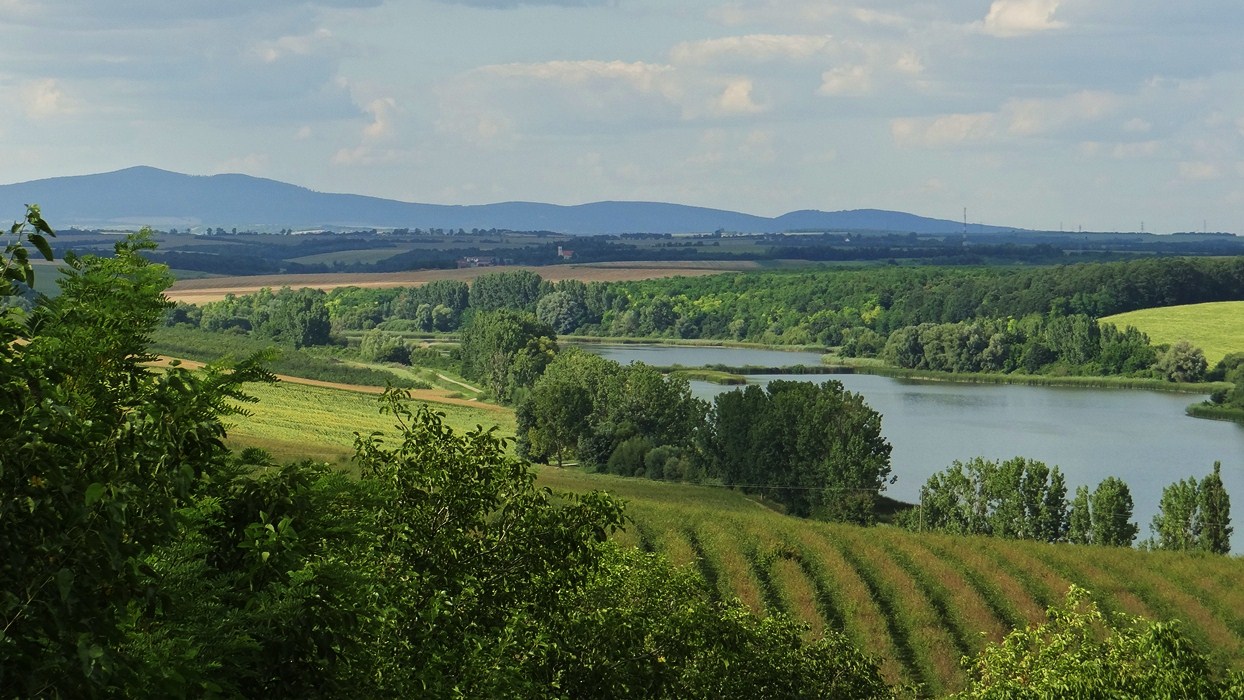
x: 1142, y: 437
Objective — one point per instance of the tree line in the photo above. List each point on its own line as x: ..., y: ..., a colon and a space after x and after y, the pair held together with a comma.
x: 1035, y: 320
x: 1025, y: 499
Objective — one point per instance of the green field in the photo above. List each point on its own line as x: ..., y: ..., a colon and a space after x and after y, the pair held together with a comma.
x: 294, y: 421
x: 917, y: 602
x: 1216, y: 327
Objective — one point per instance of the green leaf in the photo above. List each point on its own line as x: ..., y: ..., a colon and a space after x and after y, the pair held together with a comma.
x: 64, y: 582
x: 42, y: 244
x: 94, y: 492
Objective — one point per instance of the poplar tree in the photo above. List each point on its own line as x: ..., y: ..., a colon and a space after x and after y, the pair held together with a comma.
x: 1177, y: 522
x: 1214, y: 514
x: 1112, y: 514
x: 1080, y: 521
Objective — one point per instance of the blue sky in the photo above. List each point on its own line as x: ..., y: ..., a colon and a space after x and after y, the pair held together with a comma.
x: 1035, y: 113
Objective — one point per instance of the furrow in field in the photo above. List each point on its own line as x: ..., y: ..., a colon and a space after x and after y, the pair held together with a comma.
x: 915, y: 626
x: 969, y: 613
x: 846, y: 601
x: 1008, y: 600
x: 1111, y: 594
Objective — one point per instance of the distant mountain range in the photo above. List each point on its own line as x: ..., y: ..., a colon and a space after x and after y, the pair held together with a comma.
x: 144, y: 196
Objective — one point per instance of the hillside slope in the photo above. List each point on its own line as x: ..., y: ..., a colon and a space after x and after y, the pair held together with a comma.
x: 1215, y: 327
x: 917, y: 602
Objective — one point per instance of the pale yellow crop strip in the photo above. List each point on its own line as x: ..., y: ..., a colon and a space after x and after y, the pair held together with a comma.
x: 735, y: 575
x: 798, y: 595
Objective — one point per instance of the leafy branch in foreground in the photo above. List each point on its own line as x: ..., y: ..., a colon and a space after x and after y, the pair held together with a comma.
x: 15, y: 265
x: 1080, y: 653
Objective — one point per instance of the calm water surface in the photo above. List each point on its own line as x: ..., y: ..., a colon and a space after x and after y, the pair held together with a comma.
x: 1141, y: 436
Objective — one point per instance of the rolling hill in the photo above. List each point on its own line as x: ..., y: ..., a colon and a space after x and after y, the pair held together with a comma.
x: 142, y: 195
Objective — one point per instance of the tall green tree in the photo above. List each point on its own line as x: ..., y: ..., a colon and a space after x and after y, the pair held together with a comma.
x: 1080, y: 518
x: 298, y: 317
x: 506, y: 351
x: 1112, y: 514
x: 815, y: 448
x: 1177, y: 523
x: 97, y: 456
x: 1214, y: 513
x: 1182, y: 362
x: 517, y: 290
x: 1017, y: 498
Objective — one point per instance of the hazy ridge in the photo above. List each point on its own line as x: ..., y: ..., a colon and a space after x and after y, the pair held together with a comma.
x: 149, y: 196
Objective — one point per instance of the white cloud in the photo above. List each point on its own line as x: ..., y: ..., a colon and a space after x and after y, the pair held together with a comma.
x: 1039, y: 116
x: 381, y: 126
x: 846, y: 81
x: 45, y: 98
x: 737, y: 98
x: 1018, y: 17
x: 301, y: 45
x: 909, y: 63
x: 753, y: 47
x: 943, y: 131
x: 1136, y: 125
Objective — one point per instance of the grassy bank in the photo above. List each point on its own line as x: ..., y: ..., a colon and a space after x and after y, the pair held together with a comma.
x: 1209, y: 410
x: 1043, y: 380
x: 706, y: 375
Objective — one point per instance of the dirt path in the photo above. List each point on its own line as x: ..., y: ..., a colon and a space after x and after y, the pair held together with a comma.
x: 464, y: 385
x: 429, y: 395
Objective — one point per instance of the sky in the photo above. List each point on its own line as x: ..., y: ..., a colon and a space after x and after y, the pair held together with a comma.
x: 1044, y: 114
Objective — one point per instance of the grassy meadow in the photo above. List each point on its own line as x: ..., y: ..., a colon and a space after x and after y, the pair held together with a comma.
x: 295, y: 421
x: 1215, y: 327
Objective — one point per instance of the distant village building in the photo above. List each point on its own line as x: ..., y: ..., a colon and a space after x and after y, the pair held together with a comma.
x: 564, y: 254
x: 477, y: 262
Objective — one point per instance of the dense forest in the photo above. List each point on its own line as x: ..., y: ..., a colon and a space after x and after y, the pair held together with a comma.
x: 996, y: 319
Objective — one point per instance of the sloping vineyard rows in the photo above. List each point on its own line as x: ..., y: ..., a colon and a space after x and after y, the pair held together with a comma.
x: 921, y: 602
